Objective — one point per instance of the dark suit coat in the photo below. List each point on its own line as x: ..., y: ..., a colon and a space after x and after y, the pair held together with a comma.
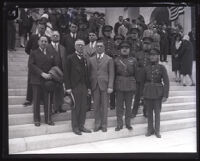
x: 60, y: 59
x: 68, y: 42
x: 75, y: 72
x: 102, y: 73
x: 38, y: 63
x: 32, y: 44
x: 60, y: 56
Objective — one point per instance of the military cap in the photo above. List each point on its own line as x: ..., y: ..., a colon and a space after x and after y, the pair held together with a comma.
x: 107, y: 28
x: 154, y: 51
x: 124, y: 44
x: 147, y: 36
x: 121, y: 37
x: 134, y: 29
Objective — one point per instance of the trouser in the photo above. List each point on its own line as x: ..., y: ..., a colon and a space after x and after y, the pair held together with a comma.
x: 11, y: 37
x: 153, y: 105
x: 121, y: 98
x: 38, y: 91
x: 78, y: 113
x: 163, y: 56
x: 112, y: 100
x: 29, y: 90
x: 138, y: 95
x: 101, y: 102
x: 58, y: 97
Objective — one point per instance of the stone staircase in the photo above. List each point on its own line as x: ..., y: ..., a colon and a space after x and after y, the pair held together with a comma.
x: 178, y: 112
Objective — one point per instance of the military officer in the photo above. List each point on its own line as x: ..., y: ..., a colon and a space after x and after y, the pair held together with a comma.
x: 118, y: 39
x: 142, y: 58
x: 156, y: 91
x: 125, y: 85
x: 109, y: 50
x: 133, y: 38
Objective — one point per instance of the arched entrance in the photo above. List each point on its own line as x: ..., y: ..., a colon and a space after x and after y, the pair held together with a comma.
x: 161, y: 15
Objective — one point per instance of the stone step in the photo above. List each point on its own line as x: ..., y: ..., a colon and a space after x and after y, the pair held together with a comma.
x: 18, y: 145
x: 17, y: 74
x: 17, y: 92
x: 27, y: 118
x: 20, y: 109
x: 18, y: 100
x: 22, y: 81
x: 17, y: 131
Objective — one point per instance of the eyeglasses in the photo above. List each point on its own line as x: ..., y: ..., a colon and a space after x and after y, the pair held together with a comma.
x: 55, y: 35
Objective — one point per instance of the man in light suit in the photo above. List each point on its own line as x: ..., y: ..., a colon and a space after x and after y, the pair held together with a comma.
x: 101, y: 75
x: 90, y: 49
x: 60, y: 55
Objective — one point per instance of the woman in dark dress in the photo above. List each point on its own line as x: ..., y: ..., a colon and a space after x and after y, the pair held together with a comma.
x: 186, y: 59
x: 175, y: 49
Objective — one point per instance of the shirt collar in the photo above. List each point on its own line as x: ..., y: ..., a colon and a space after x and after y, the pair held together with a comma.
x: 78, y: 55
x: 72, y: 34
x: 42, y: 50
x: 100, y: 55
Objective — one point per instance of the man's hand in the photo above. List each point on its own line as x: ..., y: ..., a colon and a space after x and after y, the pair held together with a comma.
x: 46, y: 76
x: 89, y: 91
x: 110, y: 90
x: 69, y: 91
x: 164, y: 99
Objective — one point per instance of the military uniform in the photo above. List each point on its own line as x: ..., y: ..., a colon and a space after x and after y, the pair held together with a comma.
x: 110, y: 51
x: 156, y: 87
x: 125, y: 85
x: 142, y: 58
x: 136, y: 44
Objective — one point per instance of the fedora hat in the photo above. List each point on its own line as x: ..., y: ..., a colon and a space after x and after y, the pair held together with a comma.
x: 56, y: 74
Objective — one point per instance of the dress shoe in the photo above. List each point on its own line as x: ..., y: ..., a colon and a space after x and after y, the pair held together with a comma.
x: 129, y: 127
x: 104, y: 129
x: 118, y: 128
x: 158, y: 135
x: 51, y: 123
x: 149, y: 133
x: 62, y: 110
x: 112, y: 107
x: 85, y: 130
x: 77, y: 132
x: 97, y: 129
x: 37, y: 124
x: 27, y: 103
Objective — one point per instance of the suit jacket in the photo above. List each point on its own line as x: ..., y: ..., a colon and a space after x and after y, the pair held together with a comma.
x: 76, y: 72
x: 68, y: 42
x: 32, y: 44
x: 60, y: 56
x: 39, y: 62
x: 101, y: 73
x: 89, y: 52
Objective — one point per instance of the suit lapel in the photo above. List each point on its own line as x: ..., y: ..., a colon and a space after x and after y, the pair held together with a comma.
x: 102, y: 61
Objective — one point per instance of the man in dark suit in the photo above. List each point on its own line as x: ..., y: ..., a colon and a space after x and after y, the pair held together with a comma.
x: 32, y: 44
x: 40, y: 62
x: 69, y: 39
x: 60, y: 55
x: 101, y: 73
x: 76, y: 82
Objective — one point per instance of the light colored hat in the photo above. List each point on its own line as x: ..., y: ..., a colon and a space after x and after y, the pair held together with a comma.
x: 45, y: 16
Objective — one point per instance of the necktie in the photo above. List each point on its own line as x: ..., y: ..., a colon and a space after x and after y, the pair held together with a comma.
x: 56, y: 47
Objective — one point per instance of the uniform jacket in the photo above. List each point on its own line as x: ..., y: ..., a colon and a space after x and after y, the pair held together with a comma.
x: 125, y: 69
x: 76, y: 72
x: 101, y: 73
x: 156, y: 82
x: 142, y: 61
x: 38, y: 63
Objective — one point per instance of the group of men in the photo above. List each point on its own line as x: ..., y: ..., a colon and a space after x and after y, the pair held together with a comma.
x: 111, y: 70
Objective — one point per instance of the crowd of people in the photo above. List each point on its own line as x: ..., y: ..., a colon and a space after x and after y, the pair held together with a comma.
x: 71, y: 53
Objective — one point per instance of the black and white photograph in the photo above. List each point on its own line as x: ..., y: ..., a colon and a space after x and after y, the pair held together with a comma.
x: 97, y: 80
